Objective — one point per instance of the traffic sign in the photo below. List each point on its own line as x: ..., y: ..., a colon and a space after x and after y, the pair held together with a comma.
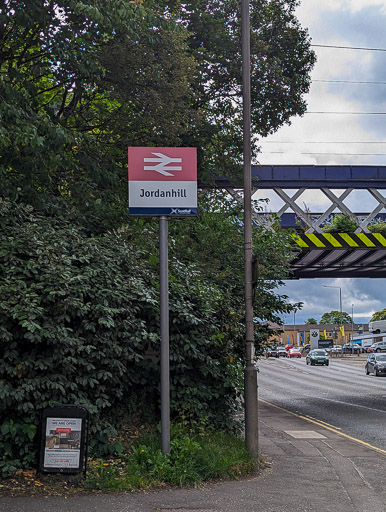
x: 162, y: 181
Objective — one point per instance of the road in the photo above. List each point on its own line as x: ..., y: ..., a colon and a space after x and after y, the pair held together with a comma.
x: 339, y: 394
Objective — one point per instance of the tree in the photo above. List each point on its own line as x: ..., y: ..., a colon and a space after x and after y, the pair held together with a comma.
x: 82, y: 332
x: 311, y: 321
x: 379, y: 315
x: 79, y: 82
x: 82, y: 81
x: 214, y: 242
x: 341, y: 224
x: 78, y: 316
x: 281, y: 61
x: 71, y: 103
x: 334, y: 317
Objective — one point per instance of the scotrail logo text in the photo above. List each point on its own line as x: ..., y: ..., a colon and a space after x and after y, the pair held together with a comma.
x: 181, y: 211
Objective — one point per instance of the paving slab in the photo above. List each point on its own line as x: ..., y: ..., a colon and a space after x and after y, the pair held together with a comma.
x: 311, y: 469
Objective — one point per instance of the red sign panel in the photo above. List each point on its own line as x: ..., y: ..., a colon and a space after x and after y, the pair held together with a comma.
x: 162, y: 164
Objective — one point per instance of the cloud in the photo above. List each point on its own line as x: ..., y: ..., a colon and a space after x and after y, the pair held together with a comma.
x: 365, y: 294
x: 353, y: 23
x: 342, y: 24
x: 310, y: 11
x: 356, y: 5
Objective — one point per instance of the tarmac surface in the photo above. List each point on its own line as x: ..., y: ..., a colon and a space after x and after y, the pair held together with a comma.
x: 312, y: 467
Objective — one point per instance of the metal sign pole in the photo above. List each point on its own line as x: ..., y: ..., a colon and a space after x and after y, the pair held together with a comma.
x: 163, y: 182
x: 164, y: 309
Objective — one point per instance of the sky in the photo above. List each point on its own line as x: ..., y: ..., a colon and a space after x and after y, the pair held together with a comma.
x: 348, y: 81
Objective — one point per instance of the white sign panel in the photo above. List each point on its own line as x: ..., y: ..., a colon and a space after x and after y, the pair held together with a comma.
x: 144, y: 194
x: 314, y: 338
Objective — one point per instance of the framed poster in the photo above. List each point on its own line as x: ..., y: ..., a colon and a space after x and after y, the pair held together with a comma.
x: 62, y: 443
x: 63, y: 446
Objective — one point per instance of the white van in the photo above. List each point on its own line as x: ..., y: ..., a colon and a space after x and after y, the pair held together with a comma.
x: 377, y: 326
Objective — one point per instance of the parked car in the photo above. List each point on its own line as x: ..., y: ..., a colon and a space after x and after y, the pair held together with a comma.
x: 288, y: 347
x: 376, y: 363
x: 351, y: 349
x: 271, y: 352
x: 294, y: 352
x: 281, y: 352
x: 380, y: 346
x: 317, y: 356
x: 337, y: 350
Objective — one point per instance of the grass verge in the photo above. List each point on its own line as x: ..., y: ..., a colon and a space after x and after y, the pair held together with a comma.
x: 193, y: 459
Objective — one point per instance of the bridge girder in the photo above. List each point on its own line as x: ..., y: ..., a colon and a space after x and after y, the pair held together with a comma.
x: 324, y: 178
x: 366, y: 260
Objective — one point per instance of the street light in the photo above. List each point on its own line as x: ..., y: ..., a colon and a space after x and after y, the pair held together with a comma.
x: 352, y: 322
x: 340, y: 302
x: 250, y: 372
x: 294, y: 325
x: 340, y: 299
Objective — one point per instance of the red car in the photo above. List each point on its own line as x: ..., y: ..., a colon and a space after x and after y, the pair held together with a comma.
x: 294, y: 352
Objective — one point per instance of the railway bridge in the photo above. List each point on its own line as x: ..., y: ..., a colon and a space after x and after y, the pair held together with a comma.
x: 319, y: 254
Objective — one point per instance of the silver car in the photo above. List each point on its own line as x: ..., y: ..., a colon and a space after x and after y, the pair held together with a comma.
x: 380, y: 346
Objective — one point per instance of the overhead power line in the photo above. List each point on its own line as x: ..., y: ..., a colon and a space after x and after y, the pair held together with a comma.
x: 321, y: 153
x: 349, y: 113
x: 349, y: 47
x: 349, y: 82
x: 322, y: 142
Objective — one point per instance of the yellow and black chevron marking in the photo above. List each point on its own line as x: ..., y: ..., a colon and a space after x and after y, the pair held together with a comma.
x: 340, y: 240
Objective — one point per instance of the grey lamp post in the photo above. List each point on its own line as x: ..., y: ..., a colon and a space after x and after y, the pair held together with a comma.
x: 340, y: 302
x: 295, y: 332
x: 250, y: 372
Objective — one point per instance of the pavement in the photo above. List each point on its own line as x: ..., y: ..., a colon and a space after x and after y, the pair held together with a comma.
x: 312, y: 466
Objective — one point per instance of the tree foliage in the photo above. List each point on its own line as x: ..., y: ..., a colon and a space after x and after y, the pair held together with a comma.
x: 378, y: 227
x: 341, y: 224
x: 311, y: 321
x: 79, y: 320
x: 214, y: 243
x: 335, y: 317
x: 379, y: 315
x: 81, y: 80
x: 281, y: 60
x: 79, y: 316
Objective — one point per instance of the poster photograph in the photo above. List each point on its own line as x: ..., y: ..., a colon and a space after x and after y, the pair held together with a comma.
x: 62, y: 443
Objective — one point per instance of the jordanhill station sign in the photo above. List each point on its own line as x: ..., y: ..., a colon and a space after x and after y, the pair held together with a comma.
x: 162, y: 181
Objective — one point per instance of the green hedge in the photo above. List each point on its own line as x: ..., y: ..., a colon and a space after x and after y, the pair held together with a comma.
x: 77, y: 316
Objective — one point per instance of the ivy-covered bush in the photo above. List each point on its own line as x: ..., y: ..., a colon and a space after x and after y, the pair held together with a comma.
x: 78, y: 315
x: 378, y: 227
x: 341, y: 224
